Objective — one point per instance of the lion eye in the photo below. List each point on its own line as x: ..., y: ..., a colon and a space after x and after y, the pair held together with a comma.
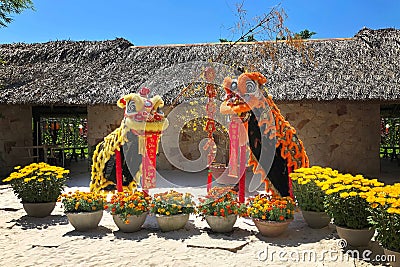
x: 234, y: 86
x: 131, y: 107
x: 251, y: 86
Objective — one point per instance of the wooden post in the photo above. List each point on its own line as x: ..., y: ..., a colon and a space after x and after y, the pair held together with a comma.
x: 118, y: 170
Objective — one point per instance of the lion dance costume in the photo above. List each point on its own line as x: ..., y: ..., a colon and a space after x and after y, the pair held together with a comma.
x: 267, y: 131
x: 138, y: 134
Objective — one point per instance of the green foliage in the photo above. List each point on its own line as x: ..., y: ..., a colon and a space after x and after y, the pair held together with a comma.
x: 71, y: 132
x: 385, y: 215
x: 305, y: 34
x: 248, y: 38
x: 308, y: 193
x: 388, y: 227
x: 309, y: 196
x: 390, y: 137
x: 9, y: 7
x: 351, y: 212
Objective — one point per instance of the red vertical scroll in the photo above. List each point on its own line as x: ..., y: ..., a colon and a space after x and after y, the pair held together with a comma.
x: 149, y: 161
x: 234, y: 146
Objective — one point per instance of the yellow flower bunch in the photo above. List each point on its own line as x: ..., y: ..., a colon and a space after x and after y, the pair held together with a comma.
x: 315, y: 173
x: 345, y: 199
x: 306, y: 181
x: 79, y: 201
x: 172, y: 203
x: 348, y: 185
x: 387, y: 197
x: 38, y: 182
x: 385, y: 214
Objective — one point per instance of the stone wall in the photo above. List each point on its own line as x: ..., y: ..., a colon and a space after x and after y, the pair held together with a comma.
x: 344, y: 136
x: 102, y: 120
x: 16, y: 131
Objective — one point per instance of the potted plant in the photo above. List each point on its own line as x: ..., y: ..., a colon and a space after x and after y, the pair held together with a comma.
x: 129, y: 210
x: 309, y: 196
x: 220, y: 208
x: 271, y: 214
x: 83, y: 209
x: 346, y: 203
x: 385, y: 217
x: 38, y: 185
x: 172, y: 209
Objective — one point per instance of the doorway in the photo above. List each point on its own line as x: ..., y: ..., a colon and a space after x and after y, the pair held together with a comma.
x: 62, y: 133
x: 390, y: 142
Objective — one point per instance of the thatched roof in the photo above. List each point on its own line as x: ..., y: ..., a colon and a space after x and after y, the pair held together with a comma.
x: 364, y: 67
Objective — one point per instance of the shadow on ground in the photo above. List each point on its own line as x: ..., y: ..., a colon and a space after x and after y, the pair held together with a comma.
x: 26, y: 222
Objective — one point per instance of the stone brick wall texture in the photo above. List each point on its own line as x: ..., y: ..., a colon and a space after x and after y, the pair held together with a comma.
x: 344, y: 136
x: 15, y: 131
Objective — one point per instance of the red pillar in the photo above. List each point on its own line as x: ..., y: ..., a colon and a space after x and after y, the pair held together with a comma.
x: 290, y: 170
x: 209, y: 180
x: 118, y: 170
x: 242, y: 181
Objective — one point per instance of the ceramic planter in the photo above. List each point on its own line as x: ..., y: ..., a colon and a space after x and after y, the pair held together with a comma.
x: 221, y: 224
x: 83, y: 221
x: 393, y: 257
x: 39, y: 210
x: 316, y: 220
x: 271, y: 228
x: 356, y: 237
x: 172, y: 222
x: 135, y: 222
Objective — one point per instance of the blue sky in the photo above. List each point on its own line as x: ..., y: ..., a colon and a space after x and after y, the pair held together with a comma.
x: 153, y: 22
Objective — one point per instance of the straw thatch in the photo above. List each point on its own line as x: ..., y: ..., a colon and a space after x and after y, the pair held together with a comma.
x: 364, y: 67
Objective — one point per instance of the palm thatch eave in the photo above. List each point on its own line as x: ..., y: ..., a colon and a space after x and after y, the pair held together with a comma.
x: 89, y: 73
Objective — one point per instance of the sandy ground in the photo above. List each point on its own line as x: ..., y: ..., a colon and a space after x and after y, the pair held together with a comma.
x: 52, y: 241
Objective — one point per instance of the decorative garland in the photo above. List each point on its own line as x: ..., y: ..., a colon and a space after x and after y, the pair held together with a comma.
x: 103, y: 152
x: 211, y: 93
x: 292, y: 148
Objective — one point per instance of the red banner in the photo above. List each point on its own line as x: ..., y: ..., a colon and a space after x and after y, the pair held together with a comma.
x: 234, y: 146
x: 149, y: 161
